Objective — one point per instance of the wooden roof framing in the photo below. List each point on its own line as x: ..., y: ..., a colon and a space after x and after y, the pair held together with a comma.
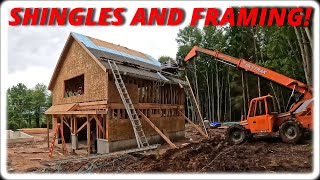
x: 144, y: 68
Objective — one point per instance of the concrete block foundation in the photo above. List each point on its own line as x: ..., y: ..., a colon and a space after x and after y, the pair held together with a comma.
x: 74, y: 141
x: 102, y: 146
x: 17, y: 136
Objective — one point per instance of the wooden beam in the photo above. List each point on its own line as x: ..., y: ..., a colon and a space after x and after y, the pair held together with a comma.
x: 75, y: 131
x: 149, y: 93
x: 157, y: 130
x: 65, y: 122
x: 194, y: 125
x: 140, y: 90
x: 97, y: 129
x: 81, y: 127
x: 61, y: 122
x: 163, y: 94
x: 79, y: 112
x: 103, y: 126
x: 147, y: 106
x: 47, y: 129
x: 106, y: 117
x: 98, y: 123
x: 93, y: 103
x: 88, y: 135
x: 92, y: 107
x: 71, y: 124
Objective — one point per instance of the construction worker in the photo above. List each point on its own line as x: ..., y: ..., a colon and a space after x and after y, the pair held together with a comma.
x: 206, y: 123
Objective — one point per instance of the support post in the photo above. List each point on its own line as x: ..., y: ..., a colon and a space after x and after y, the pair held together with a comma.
x: 48, y: 129
x: 62, y: 125
x: 107, y: 126
x: 54, y: 121
x: 88, y: 136
x: 75, y: 126
x: 104, y: 126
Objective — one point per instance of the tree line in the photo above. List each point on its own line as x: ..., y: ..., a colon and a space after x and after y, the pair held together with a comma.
x: 26, y: 106
x: 223, y: 92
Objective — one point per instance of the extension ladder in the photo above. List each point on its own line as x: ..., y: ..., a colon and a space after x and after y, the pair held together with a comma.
x: 64, y: 148
x: 194, y: 104
x: 132, y: 114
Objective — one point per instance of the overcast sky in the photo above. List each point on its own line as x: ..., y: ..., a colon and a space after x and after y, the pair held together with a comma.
x: 34, y: 51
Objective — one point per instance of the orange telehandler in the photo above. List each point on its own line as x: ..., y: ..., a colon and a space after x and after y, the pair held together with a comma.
x: 292, y: 124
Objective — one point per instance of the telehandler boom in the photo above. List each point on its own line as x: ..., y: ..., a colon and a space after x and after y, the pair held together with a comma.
x: 292, y: 124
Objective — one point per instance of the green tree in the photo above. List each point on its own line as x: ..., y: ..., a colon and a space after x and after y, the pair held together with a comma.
x: 18, y: 100
x: 163, y: 59
x: 187, y: 38
x: 220, y: 88
x: 39, y: 102
x: 26, y: 106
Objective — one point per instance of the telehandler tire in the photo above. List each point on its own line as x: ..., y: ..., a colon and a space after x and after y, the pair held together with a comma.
x: 307, y: 135
x: 236, y: 134
x: 291, y: 131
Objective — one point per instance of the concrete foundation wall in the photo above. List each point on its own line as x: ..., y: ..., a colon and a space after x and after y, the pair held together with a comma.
x: 17, y: 136
x: 105, y: 146
x: 102, y: 146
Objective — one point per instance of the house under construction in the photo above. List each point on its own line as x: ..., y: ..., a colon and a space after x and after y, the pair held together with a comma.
x: 116, y: 92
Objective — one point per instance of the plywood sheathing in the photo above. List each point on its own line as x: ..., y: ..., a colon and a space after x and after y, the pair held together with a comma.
x: 121, y: 129
x: 114, y: 96
x: 78, y: 62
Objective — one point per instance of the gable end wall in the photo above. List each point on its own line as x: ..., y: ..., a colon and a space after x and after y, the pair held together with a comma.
x: 78, y: 62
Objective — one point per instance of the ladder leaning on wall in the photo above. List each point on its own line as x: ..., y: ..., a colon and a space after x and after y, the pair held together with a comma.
x: 131, y: 111
x: 194, y: 104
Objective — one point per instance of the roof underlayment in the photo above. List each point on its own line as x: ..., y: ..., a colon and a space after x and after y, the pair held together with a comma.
x: 88, y: 43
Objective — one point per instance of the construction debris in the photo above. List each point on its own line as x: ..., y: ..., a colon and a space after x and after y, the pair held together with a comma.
x: 262, y: 154
x: 213, y: 155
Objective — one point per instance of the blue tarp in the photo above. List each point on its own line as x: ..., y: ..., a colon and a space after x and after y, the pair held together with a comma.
x: 215, y: 124
x: 87, y: 42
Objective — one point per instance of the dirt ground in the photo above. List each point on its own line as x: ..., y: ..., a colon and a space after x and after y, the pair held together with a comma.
x: 27, y: 156
x: 262, y: 154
